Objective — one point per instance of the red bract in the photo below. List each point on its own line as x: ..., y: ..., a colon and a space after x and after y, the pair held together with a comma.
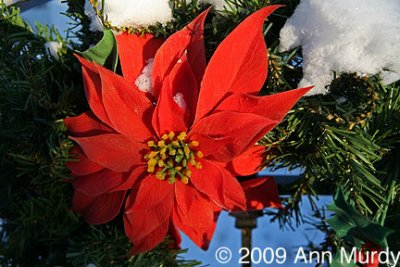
x: 166, y: 140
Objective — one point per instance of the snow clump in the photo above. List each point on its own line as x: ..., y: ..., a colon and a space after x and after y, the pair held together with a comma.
x: 361, y: 36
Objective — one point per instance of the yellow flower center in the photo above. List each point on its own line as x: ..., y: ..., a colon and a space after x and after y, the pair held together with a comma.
x: 170, y: 157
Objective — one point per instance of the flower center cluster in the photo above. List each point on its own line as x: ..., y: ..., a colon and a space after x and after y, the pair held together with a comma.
x: 170, y: 157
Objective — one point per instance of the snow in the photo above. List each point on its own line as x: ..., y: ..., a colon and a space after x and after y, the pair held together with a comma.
x: 361, y: 36
x: 136, y: 13
x: 143, y: 82
x: 52, y: 49
x: 9, y: 2
x: 95, y: 24
x: 218, y: 4
x: 180, y: 101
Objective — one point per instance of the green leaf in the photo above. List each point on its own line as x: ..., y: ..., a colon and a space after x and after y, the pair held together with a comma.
x: 105, y: 52
x: 347, y: 222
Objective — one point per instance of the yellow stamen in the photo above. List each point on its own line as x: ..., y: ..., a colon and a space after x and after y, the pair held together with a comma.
x: 181, y: 136
x: 161, y: 163
x: 163, y: 150
x: 168, y: 157
x: 152, y: 162
x: 194, y: 143
x: 199, y: 154
x: 161, y: 143
x: 186, y: 149
x: 161, y: 175
x: 185, y: 180
x: 199, y: 166
x: 151, y: 144
x: 153, y: 154
x: 165, y: 137
x: 175, y: 143
x: 192, y: 161
x: 150, y: 169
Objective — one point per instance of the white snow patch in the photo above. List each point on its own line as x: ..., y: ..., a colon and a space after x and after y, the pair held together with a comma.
x: 218, y: 4
x: 9, y: 2
x: 180, y: 101
x: 136, y: 13
x: 95, y: 23
x: 360, y: 36
x: 52, y: 49
x: 143, y: 82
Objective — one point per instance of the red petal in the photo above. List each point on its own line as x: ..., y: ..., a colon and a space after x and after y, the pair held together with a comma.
x: 210, y: 181
x: 183, y: 81
x: 244, y: 128
x: 112, y: 151
x: 200, y: 220
x: 81, y: 201
x: 180, y: 83
x: 148, y: 212
x: 248, y: 162
x: 261, y: 193
x: 98, y: 210
x: 274, y: 107
x: 188, y: 39
x: 185, y: 195
x: 129, y: 111
x: 219, y: 185
x: 92, y: 85
x: 99, y: 183
x: 239, y: 64
x: 86, y: 124
x: 213, y: 148
x: 151, y: 240
x: 81, y: 165
x: 137, y: 174
x: 150, y: 193
x: 135, y: 51
x: 168, y: 116
x: 175, y: 236
x: 233, y: 192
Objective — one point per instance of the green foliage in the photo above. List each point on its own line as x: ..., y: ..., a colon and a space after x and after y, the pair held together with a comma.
x: 170, y: 258
x: 105, y: 52
x: 348, y: 139
x: 339, y: 142
x: 108, y: 246
x: 35, y: 93
x: 350, y: 224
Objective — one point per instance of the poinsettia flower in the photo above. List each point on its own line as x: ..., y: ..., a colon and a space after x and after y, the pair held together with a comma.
x: 165, y: 140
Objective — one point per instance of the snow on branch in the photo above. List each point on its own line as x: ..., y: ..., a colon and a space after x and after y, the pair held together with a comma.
x: 360, y: 36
